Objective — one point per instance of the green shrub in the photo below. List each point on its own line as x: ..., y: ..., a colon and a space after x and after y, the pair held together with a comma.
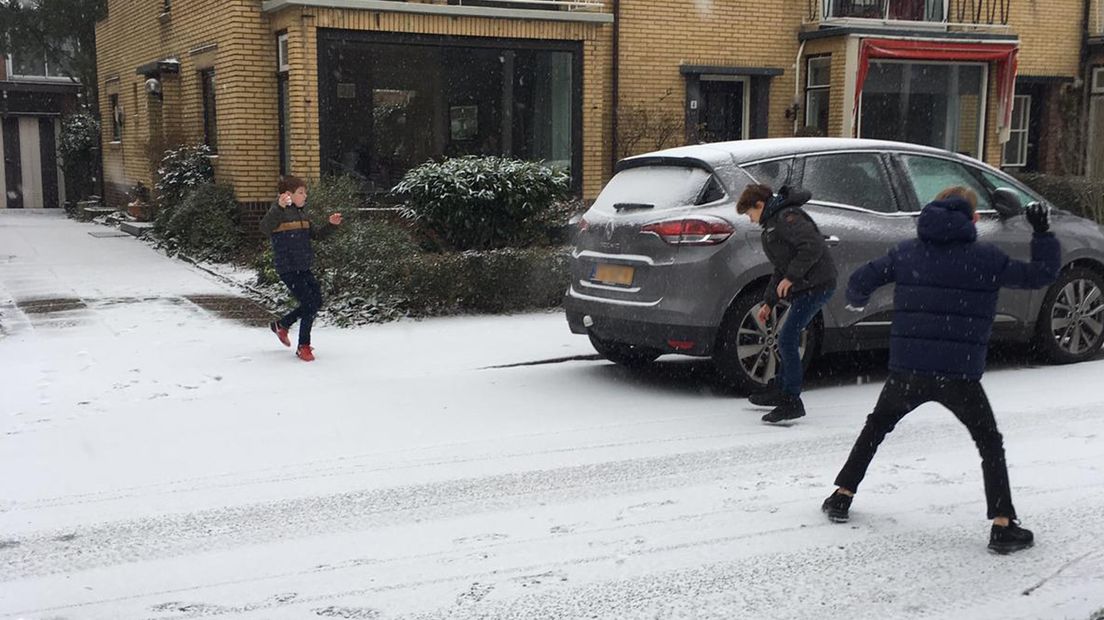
x: 206, y: 224
x: 182, y: 170
x: 80, y: 136
x: 482, y: 203
x: 1079, y: 195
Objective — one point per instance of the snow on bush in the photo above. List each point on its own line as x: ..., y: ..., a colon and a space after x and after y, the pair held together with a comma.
x: 482, y: 203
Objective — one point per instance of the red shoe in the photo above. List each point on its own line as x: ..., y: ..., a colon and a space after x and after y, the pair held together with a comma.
x: 305, y: 353
x: 280, y: 332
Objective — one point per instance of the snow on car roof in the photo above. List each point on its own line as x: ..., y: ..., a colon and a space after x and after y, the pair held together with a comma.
x: 765, y: 148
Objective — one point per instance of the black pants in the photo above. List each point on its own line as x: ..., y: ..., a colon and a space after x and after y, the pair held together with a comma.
x: 967, y: 401
x: 304, y: 287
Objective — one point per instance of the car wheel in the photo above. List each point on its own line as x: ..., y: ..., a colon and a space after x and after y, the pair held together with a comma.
x: 746, y: 351
x: 622, y: 354
x: 1071, y: 320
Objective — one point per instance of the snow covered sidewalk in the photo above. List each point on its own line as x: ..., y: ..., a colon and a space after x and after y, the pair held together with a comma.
x: 162, y: 462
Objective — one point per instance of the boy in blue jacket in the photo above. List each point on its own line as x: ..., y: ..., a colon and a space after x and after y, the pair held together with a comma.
x: 943, y: 308
x: 289, y: 228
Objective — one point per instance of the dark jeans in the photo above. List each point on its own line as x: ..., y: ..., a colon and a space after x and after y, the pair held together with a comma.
x: 803, y: 307
x: 966, y: 399
x: 304, y: 287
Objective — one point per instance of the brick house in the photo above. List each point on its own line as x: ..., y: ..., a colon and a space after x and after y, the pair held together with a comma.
x: 374, y: 87
x: 32, y: 100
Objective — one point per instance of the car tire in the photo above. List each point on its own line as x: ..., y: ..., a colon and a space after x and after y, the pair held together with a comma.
x: 1070, y: 327
x: 740, y: 332
x: 622, y: 354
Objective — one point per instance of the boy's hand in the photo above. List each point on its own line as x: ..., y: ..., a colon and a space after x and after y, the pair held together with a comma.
x: 784, y: 288
x: 763, y: 314
x: 1038, y: 216
x: 285, y: 199
x: 335, y: 219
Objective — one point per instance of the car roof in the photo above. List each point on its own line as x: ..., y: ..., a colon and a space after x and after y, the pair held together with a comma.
x: 743, y: 151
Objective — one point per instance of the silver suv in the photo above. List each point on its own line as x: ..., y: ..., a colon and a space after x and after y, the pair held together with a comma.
x: 662, y: 263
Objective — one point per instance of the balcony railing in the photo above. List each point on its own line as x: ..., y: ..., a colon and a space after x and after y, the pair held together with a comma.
x: 938, y: 14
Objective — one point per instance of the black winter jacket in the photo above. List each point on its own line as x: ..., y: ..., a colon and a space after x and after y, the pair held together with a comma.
x: 795, y: 247
x: 290, y: 230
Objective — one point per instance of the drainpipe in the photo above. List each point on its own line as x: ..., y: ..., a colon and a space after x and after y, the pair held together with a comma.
x: 1086, y: 87
x: 615, y: 95
x: 797, y: 86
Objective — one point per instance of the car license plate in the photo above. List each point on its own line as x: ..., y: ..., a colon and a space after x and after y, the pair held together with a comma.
x: 619, y: 275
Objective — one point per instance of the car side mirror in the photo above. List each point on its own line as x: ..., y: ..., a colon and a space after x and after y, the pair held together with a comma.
x: 1007, y: 202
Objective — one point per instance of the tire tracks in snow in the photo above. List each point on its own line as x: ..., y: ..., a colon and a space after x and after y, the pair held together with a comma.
x: 223, y: 528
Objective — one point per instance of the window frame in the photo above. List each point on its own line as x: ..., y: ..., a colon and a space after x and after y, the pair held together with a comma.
x: 1022, y: 132
x: 208, y: 90
x: 811, y: 88
x: 283, y: 62
x: 1097, y: 85
x: 283, y: 69
x: 116, y: 120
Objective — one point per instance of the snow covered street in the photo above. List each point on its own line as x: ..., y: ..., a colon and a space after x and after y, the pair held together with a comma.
x: 161, y: 462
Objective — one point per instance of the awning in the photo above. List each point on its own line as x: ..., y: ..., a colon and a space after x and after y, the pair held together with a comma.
x: 1004, y: 54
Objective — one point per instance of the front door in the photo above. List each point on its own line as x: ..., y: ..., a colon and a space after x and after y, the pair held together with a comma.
x: 724, y: 113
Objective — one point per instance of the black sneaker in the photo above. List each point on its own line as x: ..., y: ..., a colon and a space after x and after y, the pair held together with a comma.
x: 1010, y: 538
x: 791, y: 408
x: 836, y: 507
x: 772, y: 396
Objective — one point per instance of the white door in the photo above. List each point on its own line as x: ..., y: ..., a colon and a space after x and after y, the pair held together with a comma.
x: 30, y: 155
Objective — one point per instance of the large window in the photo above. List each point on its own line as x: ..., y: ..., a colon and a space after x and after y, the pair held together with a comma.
x: 935, y: 104
x: 818, y: 80
x: 210, y: 124
x: 1015, y: 150
x: 389, y: 105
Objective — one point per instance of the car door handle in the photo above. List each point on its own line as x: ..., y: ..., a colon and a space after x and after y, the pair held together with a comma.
x: 831, y: 240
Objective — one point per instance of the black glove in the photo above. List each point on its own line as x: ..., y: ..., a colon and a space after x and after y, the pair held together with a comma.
x: 1038, y: 216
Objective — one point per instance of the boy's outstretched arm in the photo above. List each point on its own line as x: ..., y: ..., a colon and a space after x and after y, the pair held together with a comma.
x: 869, y: 278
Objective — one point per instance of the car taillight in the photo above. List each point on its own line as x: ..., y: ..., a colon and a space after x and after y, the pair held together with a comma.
x: 691, y: 231
x: 583, y: 225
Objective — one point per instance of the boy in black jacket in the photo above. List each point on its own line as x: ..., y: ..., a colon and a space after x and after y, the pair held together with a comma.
x: 944, y: 303
x: 289, y: 228
x: 804, y: 275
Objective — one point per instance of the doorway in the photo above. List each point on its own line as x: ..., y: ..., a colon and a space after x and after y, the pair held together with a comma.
x: 725, y: 109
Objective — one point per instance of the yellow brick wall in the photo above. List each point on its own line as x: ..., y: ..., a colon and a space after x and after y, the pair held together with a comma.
x: 657, y: 36
x: 1050, y: 35
x: 244, y: 62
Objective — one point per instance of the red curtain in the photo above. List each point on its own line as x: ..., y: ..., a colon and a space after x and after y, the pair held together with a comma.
x: 1004, y: 54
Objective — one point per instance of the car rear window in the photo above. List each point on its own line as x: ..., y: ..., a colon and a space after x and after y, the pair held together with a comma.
x: 663, y: 187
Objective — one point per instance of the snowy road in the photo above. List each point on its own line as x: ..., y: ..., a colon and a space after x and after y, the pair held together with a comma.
x: 159, y: 462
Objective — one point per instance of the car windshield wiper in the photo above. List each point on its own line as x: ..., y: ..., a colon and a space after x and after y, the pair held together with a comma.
x: 626, y: 206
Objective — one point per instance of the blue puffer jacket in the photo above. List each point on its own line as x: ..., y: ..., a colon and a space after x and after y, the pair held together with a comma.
x: 947, y: 285
x: 291, y: 234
